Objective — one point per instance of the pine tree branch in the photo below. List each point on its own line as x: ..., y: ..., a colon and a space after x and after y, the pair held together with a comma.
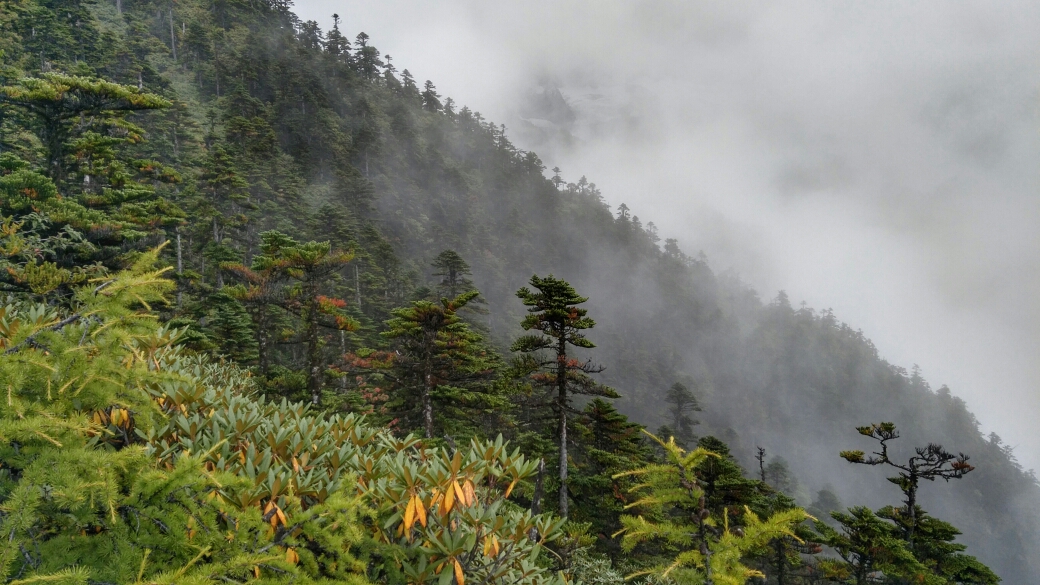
x: 31, y: 340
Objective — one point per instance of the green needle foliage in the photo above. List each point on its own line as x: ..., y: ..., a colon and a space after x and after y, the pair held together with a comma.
x: 913, y: 544
x: 607, y: 444
x: 441, y: 368
x: 453, y: 270
x: 58, y: 104
x: 709, y: 548
x: 86, y: 142
x: 934, y: 547
x: 870, y: 550
x: 81, y: 497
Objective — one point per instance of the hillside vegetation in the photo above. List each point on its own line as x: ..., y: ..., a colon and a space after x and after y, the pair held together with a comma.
x: 274, y: 310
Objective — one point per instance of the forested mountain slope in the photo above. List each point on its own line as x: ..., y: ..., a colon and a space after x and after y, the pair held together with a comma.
x: 275, y: 124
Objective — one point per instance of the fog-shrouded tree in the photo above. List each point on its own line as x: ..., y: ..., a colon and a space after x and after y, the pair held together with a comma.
x: 431, y: 99
x: 928, y: 463
x: 336, y: 44
x: 682, y: 404
x: 311, y: 123
x: 786, y: 558
x: 929, y: 540
x: 558, y: 323
x: 453, y: 271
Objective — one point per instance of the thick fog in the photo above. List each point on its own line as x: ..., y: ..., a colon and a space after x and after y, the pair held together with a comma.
x: 880, y: 158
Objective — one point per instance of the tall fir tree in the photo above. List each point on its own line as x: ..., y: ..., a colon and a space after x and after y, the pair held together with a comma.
x: 87, y: 141
x: 441, y: 365
x: 308, y: 268
x: 607, y: 444
x: 453, y: 271
x: 928, y: 463
x: 682, y: 404
x: 559, y: 323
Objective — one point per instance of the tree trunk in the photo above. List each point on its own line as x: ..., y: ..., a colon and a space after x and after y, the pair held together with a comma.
x: 54, y: 139
x: 262, y: 340
x: 536, y: 499
x: 343, y: 352
x: 427, y: 405
x: 561, y: 399
x: 357, y: 286
x: 216, y: 240
x: 539, y: 482
x: 313, y: 356
x: 705, y: 549
x: 180, y: 264
x: 911, y: 506
x: 427, y: 389
x: 173, y: 37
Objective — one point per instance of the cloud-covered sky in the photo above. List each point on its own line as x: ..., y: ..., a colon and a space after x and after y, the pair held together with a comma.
x: 878, y: 158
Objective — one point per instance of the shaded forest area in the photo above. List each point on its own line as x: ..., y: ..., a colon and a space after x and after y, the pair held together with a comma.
x: 342, y: 238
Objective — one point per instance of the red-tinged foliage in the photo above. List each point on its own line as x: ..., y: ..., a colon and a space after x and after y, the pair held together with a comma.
x: 331, y: 304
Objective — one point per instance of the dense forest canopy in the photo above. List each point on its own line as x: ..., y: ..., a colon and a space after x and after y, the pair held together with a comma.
x: 269, y: 314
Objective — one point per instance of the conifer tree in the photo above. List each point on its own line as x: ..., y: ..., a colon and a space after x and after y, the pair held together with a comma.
x: 261, y: 296
x: 934, y: 547
x: 366, y: 57
x: 928, y: 540
x: 34, y: 255
x: 867, y: 545
x: 222, y: 192
x: 929, y: 463
x: 336, y: 44
x: 786, y: 555
x: 675, y: 512
x: 106, y: 194
x: 554, y: 315
x: 453, y: 271
x: 608, y: 444
x: 431, y: 99
x: 56, y: 107
x: 310, y: 268
x: 722, y: 480
x: 231, y: 328
x: 683, y: 403
x: 438, y: 363
x: 408, y: 84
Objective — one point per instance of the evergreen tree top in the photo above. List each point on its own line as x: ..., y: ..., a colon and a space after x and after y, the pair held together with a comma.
x: 67, y: 96
x: 553, y: 309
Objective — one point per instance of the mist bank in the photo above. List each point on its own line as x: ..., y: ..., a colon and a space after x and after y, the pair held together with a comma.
x: 876, y: 160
